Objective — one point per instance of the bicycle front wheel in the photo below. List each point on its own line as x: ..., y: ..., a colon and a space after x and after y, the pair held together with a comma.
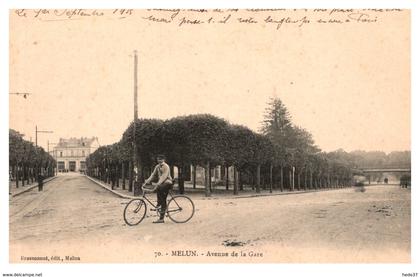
x: 135, y: 211
x: 180, y: 209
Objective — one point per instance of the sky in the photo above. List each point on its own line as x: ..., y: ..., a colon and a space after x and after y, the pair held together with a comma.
x: 348, y: 85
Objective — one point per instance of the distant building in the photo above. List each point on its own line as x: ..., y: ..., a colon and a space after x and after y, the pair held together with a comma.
x: 71, y: 153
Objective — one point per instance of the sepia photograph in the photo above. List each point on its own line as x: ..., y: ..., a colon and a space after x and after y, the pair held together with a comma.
x: 247, y: 136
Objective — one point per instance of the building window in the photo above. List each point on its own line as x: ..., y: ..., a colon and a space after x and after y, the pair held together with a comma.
x: 61, y: 154
x: 83, y: 153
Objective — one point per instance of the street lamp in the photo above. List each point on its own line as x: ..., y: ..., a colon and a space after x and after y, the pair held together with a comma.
x: 25, y: 94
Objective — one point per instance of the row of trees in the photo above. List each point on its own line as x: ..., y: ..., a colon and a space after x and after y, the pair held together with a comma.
x: 26, y: 161
x: 379, y: 159
x: 282, y: 156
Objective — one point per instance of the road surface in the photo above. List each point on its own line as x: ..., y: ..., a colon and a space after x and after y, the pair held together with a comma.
x: 75, y: 220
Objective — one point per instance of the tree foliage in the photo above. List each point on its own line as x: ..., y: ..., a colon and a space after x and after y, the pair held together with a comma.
x: 24, y: 153
x: 203, y: 138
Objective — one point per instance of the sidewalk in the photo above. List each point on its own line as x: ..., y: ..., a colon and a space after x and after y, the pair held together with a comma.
x: 217, y: 193
x: 13, y: 192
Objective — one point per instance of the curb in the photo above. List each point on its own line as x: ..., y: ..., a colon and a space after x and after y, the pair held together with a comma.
x: 273, y: 194
x: 110, y: 190
x: 99, y: 183
x: 32, y: 187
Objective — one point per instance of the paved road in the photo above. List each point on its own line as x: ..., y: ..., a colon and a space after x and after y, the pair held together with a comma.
x: 74, y: 216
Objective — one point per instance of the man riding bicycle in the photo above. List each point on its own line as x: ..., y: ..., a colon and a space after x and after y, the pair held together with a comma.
x: 162, y: 174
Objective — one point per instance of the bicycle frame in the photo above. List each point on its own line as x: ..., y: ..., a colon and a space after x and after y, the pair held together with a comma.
x: 144, y: 197
x: 172, y: 210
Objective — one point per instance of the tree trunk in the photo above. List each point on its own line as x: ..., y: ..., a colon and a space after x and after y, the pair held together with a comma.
x: 112, y: 177
x: 28, y: 175
x: 181, y: 180
x: 17, y: 176
x: 123, y: 175
x: 306, y: 179
x: 25, y: 175
x: 264, y: 182
x: 240, y: 183
x: 293, y: 177
x: 207, y: 179
x: 105, y: 175
x: 117, y: 175
x: 108, y: 175
x: 328, y: 180
x: 235, y: 181
x: 290, y: 179
x: 21, y: 174
x: 310, y: 179
x: 320, y: 181
x: 298, y: 180
x: 130, y: 176
x: 281, y: 179
x: 258, y: 185
x: 271, y: 178
x: 252, y: 181
x: 210, y: 175
x: 194, y: 176
x: 227, y: 177
x: 142, y: 173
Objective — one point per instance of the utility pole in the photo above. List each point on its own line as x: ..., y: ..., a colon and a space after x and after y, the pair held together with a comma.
x: 54, y: 155
x: 50, y: 143
x: 137, y: 169
x: 136, y: 115
x: 36, y: 134
x: 36, y: 142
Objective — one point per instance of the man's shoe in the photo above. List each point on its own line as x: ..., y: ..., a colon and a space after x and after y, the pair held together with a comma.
x: 159, y: 221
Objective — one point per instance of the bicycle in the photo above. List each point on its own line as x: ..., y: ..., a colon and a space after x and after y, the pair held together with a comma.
x: 179, y: 208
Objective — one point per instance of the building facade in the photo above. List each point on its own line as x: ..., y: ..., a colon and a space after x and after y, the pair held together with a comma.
x: 71, y: 153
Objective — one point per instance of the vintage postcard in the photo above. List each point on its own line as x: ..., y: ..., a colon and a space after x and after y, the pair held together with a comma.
x: 209, y: 136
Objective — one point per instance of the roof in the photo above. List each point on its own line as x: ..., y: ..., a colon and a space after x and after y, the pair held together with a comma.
x: 76, y: 142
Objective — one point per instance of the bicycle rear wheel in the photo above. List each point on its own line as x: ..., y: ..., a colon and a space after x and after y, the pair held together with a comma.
x: 135, y: 211
x: 180, y: 209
